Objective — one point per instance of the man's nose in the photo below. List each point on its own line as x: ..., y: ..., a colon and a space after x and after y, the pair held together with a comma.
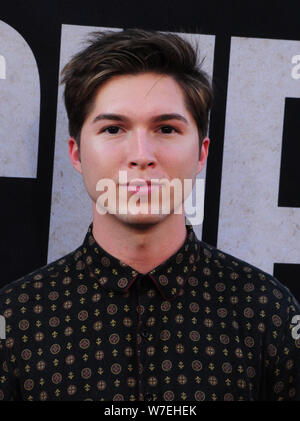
x: 141, y: 150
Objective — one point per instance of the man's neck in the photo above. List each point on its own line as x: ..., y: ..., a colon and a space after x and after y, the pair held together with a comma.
x: 141, y: 249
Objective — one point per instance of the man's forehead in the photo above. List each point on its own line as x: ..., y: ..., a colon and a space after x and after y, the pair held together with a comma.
x: 122, y: 94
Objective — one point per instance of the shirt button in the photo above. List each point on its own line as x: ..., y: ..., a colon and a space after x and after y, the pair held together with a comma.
x: 148, y: 397
x: 145, y: 334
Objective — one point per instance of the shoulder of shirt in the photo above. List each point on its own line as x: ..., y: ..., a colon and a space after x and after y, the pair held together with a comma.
x: 44, y: 273
x: 240, y: 271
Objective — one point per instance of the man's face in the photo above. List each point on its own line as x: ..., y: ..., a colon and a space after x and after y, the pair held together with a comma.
x: 139, y: 124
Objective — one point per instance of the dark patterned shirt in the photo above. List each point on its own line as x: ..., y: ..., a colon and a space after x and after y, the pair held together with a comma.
x: 203, y: 325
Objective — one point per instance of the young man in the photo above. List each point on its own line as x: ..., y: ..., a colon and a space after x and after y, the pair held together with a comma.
x: 143, y: 310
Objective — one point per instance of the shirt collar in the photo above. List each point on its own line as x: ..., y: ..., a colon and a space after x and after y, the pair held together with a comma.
x: 169, y: 277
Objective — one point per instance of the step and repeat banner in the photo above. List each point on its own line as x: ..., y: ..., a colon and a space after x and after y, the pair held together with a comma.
x: 252, y: 195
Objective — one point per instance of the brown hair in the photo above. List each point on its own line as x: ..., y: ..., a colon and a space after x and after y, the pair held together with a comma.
x: 134, y: 51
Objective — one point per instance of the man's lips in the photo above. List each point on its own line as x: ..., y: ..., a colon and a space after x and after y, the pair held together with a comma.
x: 143, y: 189
x: 137, y: 182
x: 142, y: 186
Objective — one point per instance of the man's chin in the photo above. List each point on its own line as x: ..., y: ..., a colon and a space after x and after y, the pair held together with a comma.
x: 141, y: 220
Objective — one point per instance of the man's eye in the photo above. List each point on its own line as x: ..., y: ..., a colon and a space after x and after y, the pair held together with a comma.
x: 111, y: 129
x: 115, y: 129
x: 167, y: 129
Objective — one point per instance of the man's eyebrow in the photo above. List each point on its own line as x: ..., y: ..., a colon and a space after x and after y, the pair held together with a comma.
x: 116, y: 117
x: 172, y: 116
x: 155, y: 119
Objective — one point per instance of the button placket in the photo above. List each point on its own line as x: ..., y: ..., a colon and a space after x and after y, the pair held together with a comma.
x: 144, y: 337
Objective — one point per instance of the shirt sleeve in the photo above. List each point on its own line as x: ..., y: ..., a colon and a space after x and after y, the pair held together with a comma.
x: 282, y: 381
x: 9, y: 381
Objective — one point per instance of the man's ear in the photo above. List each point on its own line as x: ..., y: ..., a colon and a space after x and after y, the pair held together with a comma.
x: 203, y: 154
x: 74, y: 154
